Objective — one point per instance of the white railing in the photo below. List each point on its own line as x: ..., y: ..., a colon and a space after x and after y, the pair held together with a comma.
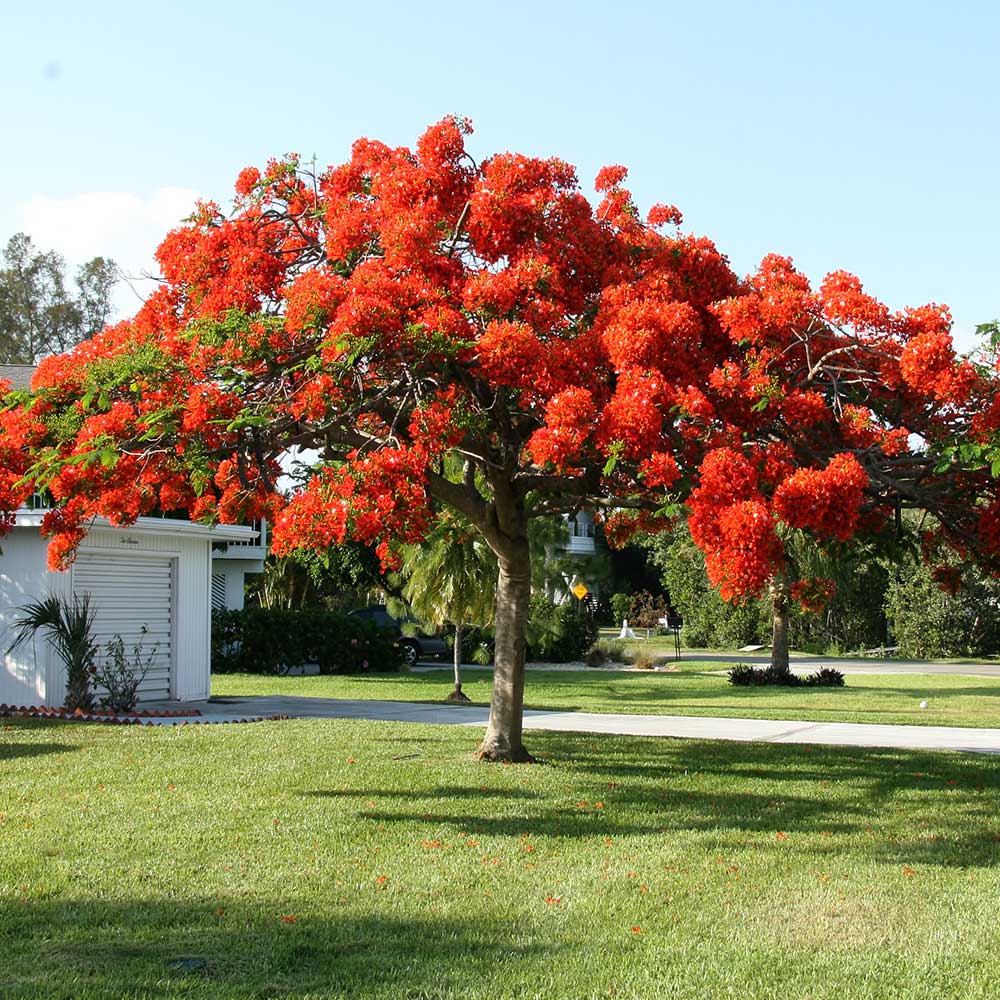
x: 260, y: 542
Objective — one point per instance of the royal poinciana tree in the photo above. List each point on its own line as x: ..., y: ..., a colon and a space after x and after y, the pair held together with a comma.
x: 413, y: 306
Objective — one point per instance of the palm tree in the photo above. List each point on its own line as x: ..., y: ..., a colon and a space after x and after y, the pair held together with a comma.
x: 451, y: 579
x: 69, y: 630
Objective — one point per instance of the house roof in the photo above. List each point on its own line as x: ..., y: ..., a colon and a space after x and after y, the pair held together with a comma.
x: 18, y: 375
x: 154, y: 526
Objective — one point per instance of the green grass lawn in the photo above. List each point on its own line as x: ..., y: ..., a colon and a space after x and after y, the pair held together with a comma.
x: 343, y: 859
x: 692, y: 690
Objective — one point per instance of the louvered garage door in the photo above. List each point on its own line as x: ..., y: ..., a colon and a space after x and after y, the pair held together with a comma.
x: 127, y: 594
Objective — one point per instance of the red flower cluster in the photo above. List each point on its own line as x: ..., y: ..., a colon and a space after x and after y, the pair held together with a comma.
x: 827, y: 501
x: 814, y: 593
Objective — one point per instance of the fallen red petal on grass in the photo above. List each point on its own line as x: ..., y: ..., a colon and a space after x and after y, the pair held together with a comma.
x: 289, y: 920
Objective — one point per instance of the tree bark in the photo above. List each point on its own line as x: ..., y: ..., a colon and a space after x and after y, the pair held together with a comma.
x: 503, y: 739
x: 781, y: 596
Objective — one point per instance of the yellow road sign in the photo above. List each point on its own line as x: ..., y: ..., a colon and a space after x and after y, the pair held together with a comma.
x: 581, y: 591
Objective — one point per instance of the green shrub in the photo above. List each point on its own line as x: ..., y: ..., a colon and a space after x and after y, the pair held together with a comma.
x: 69, y: 628
x: 825, y: 677
x: 477, y: 643
x: 605, y: 651
x: 743, y: 675
x: 927, y: 622
x: 120, y: 677
x: 620, y: 604
x: 558, y: 633
x: 709, y: 621
x: 854, y: 619
x: 270, y: 640
x: 646, y: 610
x: 643, y: 660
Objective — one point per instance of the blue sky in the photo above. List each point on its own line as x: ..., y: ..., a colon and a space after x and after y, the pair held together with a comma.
x: 861, y: 136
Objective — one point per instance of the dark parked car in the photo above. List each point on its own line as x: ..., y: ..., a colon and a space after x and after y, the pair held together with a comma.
x: 415, y: 643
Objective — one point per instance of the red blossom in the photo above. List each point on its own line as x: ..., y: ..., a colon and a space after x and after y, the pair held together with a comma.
x: 826, y: 501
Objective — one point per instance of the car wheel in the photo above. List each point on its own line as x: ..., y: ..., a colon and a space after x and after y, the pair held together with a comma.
x: 411, y: 652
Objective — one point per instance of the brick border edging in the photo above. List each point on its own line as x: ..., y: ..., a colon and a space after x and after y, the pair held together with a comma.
x: 143, y: 718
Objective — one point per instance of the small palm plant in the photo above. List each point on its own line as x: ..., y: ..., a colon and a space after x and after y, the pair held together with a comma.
x: 451, y: 578
x: 68, y: 627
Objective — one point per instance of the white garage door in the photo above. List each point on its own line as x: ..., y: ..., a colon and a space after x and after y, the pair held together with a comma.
x: 127, y: 594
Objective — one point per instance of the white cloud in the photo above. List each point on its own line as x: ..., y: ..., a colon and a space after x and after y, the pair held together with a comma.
x: 118, y: 224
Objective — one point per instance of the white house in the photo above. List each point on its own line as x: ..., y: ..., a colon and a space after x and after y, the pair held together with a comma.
x: 162, y: 573
x: 581, y: 534
x: 232, y: 562
x: 156, y: 573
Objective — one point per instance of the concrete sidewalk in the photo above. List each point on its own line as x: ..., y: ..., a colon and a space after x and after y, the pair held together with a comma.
x: 676, y: 726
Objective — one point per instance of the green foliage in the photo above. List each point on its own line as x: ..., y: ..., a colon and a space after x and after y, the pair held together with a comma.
x: 477, y: 644
x: 553, y: 567
x: 451, y: 577
x: 121, y: 678
x: 69, y: 630
x: 854, y: 618
x: 619, y: 607
x: 285, y: 583
x: 558, y: 633
x: 270, y: 640
x: 338, y: 578
x: 927, y: 622
x: 605, y: 651
x: 709, y: 621
x: 38, y: 314
x: 825, y: 677
x: 744, y: 675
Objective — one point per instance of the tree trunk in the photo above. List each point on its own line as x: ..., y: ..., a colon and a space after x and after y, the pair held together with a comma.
x: 78, y: 693
x: 781, y: 595
x: 502, y: 741
x: 456, y: 694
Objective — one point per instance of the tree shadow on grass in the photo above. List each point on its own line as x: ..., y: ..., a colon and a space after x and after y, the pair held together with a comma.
x: 894, y: 805
x: 11, y: 751
x: 219, y: 947
x: 507, y: 794
x: 12, y: 723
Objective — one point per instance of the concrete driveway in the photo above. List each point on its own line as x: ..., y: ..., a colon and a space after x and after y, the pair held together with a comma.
x: 683, y: 727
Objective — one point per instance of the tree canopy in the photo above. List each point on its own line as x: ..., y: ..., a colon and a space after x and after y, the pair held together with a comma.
x: 409, y: 306
x: 38, y: 314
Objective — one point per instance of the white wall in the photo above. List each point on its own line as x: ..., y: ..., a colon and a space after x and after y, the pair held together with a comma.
x: 235, y: 572
x: 23, y: 576
x: 31, y: 675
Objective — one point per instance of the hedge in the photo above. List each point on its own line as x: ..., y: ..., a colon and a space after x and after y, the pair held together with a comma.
x: 270, y: 640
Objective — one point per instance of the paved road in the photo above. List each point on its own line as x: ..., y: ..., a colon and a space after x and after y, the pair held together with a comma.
x: 807, y: 664
x: 684, y: 727
x: 800, y: 664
